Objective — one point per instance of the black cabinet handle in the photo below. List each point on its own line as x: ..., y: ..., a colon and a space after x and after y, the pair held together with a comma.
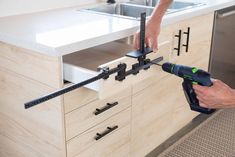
x: 108, y: 106
x: 109, y: 130
x: 187, y: 40
x: 179, y: 42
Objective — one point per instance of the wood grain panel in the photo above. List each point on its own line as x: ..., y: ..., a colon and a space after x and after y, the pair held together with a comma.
x: 115, y: 143
x: 38, y: 131
x: 84, y: 118
x: 43, y: 68
x: 200, y: 40
x: 78, y: 98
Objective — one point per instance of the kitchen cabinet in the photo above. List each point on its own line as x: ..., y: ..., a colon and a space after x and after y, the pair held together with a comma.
x: 151, y: 105
x: 161, y: 109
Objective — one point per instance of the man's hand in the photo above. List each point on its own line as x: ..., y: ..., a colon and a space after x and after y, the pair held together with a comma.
x: 151, y: 35
x: 219, y: 95
x: 153, y: 26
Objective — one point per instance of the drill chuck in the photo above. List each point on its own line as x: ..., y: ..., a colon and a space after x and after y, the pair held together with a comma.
x: 168, y: 67
x: 178, y: 70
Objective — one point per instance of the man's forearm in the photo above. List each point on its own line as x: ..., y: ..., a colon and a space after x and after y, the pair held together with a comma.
x: 160, y: 10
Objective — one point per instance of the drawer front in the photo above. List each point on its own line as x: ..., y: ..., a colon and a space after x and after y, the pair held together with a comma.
x: 109, y: 142
x: 93, y: 113
x: 78, y: 98
x: 76, y: 70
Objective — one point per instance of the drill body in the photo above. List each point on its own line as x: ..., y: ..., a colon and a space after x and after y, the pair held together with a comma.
x: 191, y: 75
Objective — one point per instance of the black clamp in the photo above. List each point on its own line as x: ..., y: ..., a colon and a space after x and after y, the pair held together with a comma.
x: 105, y: 70
x: 135, y: 68
x: 146, y: 62
x: 121, y: 75
x: 144, y: 65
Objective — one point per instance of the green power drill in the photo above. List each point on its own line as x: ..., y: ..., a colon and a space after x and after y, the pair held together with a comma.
x: 191, y: 75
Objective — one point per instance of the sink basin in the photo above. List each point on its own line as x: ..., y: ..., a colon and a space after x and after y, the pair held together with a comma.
x: 134, y: 8
x: 175, y: 6
x: 123, y: 9
x: 183, y: 5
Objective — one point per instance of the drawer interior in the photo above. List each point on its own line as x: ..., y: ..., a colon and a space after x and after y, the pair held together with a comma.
x: 94, y: 57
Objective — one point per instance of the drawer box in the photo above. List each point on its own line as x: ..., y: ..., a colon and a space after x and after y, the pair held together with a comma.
x: 113, y: 143
x: 82, y: 65
x: 89, y: 115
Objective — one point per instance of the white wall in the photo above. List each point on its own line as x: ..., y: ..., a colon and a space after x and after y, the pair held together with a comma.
x: 13, y: 7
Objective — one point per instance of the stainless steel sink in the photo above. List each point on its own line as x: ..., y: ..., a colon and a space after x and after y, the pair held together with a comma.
x: 123, y: 9
x: 134, y: 8
x: 183, y: 5
x: 175, y: 6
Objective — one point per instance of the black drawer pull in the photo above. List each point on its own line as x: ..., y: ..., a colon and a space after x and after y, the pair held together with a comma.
x: 179, y: 42
x: 109, y: 130
x: 108, y: 106
x: 187, y: 40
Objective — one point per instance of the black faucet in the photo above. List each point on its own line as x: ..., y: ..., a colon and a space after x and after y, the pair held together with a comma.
x: 111, y: 1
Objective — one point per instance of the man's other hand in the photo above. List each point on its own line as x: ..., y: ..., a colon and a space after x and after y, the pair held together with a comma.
x: 219, y: 95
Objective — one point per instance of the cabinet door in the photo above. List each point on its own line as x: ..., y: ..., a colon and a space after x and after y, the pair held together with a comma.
x: 199, y: 41
x: 157, y: 113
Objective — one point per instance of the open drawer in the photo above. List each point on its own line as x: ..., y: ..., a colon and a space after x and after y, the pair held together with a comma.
x: 84, y: 64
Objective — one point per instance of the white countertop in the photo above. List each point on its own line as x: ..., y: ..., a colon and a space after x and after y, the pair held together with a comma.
x: 64, y: 31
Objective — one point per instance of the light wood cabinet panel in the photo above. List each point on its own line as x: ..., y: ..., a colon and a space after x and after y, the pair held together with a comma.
x: 84, y: 118
x: 78, y: 98
x: 115, y: 143
x: 36, y: 66
x: 38, y: 131
x: 157, y: 113
x: 152, y: 115
x: 199, y: 40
